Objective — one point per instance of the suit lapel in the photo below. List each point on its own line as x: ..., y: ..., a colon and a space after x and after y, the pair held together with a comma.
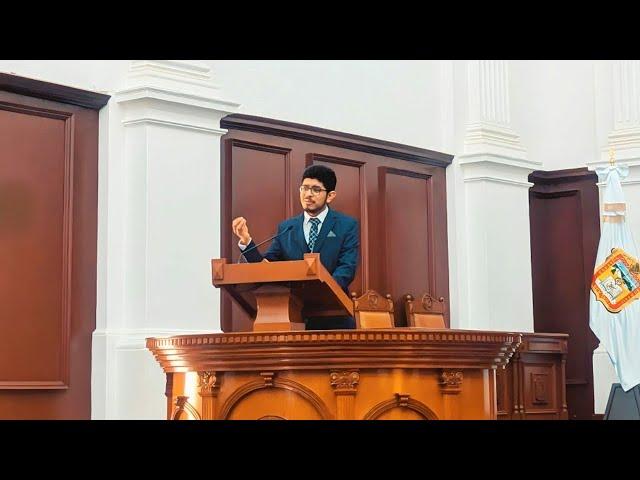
x: 298, y: 234
x: 327, y: 225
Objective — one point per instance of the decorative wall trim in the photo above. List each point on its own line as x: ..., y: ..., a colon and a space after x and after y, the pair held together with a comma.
x: 285, y: 384
x: 349, y: 350
x: 499, y: 180
x: 542, y: 177
x: 167, y: 123
x: 308, y: 133
x: 400, y: 401
x: 52, y: 91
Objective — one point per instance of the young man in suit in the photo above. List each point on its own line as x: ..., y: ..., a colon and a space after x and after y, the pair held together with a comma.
x: 318, y: 229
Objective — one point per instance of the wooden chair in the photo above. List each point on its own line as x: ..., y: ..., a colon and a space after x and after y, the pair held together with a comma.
x: 427, y: 313
x: 372, y: 310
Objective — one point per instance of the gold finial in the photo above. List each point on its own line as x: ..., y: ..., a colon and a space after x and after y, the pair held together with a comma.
x: 612, y: 155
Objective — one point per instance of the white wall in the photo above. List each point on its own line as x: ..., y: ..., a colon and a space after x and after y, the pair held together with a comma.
x: 398, y: 101
x: 158, y: 190
x: 103, y: 76
x: 553, y: 109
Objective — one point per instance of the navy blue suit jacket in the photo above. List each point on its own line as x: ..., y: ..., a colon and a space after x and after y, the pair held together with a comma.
x: 338, y: 242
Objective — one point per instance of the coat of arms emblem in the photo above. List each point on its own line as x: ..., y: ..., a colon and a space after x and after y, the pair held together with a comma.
x: 616, y: 282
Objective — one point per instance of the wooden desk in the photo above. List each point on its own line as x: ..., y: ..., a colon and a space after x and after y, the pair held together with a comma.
x: 394, y: 373
x: 532, y: 387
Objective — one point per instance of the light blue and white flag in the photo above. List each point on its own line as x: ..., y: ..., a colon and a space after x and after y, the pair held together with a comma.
x: 614, y: 309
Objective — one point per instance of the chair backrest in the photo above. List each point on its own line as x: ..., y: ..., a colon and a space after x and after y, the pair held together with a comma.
x: 372, y: 310
x: 425, y: 313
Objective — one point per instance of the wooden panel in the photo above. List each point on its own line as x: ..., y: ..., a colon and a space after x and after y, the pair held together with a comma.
x: 504, y: 392
x: 565, y: 229
x: 260, y: 185
x: 539, y: 388
x: 48, y: 228
x: 351, y: 201
x: 406, y: 209
x: 532, y: 387
x: 338, y: 140
x: 35, y: 241
x: 562, y: 303
x: 357, y: 162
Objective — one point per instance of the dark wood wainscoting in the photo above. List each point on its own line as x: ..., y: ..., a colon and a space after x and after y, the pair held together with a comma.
x: 396, y: 192
x: 565, y: 231
x: 48, y: 233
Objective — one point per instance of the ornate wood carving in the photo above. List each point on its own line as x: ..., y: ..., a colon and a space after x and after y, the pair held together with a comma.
x: 267, y: 377
x: 451, y: 381
x: 539, y: 387
x: 217, y: 267
x: 400, y: 400
x: 281, y: 373
x: 372, y: 310
x: 269, y: 381
x: 428, y: 312
x: 312, y: 261
x: 182, y: 406
x: 345, y: 385
x: 208, y: 388
x: 208, y: 383
x: 345, y: 382
x: 344, y: 349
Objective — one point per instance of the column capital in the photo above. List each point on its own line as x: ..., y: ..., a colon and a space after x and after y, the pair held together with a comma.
x: 174, y: 93
x: 488, y: 131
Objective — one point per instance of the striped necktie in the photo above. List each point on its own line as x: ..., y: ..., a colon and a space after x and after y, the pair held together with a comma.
x: 313, y: 234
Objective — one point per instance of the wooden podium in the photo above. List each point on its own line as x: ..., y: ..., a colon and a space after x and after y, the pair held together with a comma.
x: 278, y: 295
x: 281, y: 371
x: 376, y: 374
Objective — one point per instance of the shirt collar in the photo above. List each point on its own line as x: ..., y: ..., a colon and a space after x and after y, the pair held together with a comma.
x: 320, y: 217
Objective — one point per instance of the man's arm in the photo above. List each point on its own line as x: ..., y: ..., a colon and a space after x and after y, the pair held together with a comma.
x: 274, y: 253
x: 348, y: 257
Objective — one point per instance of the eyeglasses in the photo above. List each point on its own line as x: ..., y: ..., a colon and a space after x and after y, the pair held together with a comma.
x: 315, y: 190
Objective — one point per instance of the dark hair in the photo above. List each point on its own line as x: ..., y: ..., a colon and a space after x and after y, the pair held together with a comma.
x: 322, y: 174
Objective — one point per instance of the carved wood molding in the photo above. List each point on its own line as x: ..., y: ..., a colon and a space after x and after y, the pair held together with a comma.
x: 345, y: 382
x: 269, y: 380
x: 451, y: 381
x: 539, y: 384
x: 217, y: 267
x: 561, y: 176
x: 379, y: 348
x: 312, y: 262
x: 183, y: 405
x: 372, y: 301
x: 400, y: 400
x: 311, y: 134
x: 208, y: 383
x: 52, y: 91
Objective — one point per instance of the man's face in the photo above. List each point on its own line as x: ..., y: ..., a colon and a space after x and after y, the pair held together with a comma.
x: 313, y: 203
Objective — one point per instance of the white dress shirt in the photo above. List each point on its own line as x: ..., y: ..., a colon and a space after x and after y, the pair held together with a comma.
x: 306, y: 226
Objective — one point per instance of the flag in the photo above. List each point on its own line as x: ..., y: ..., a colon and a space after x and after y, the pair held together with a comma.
x: 613, y: 310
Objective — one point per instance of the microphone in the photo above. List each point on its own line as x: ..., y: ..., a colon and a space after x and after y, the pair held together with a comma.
x: 263, y: 242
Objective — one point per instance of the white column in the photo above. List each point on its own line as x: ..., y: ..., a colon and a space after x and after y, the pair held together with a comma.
x: 159, y: 214
x: 492, y: 266
x: 625, y: 136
